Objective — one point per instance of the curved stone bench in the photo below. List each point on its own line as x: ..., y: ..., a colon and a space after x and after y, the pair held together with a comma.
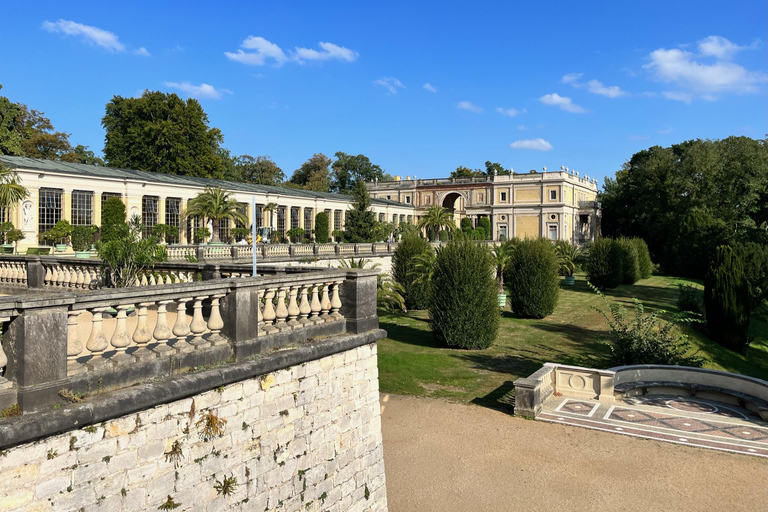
x: 747, y: 392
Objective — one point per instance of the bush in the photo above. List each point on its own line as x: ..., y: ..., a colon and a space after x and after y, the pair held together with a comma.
x: 643, y: 258
x: 568, y: 257
x: 533, y: 279
x: 629, y: 260
x: 485, y: 224
x: 727, y: 300
x: 81, y: 238
x: 466, y: 224
x: 128, y: 255
x: 295, y: 234
x: 755, y: 259
x: 690, y: 299
x: 112, y: 219
x: 443, y: 236
x: 166, y: 232
x: 645, y: 339
x: 403, y: 260
x: 464, y: 310
x: 321, y: 228
x: 604, y: 264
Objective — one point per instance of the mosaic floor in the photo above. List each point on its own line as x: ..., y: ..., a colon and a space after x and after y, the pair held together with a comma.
x: 688, y: 421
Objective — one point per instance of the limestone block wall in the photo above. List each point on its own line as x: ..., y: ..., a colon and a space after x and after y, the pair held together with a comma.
x: 307, y: 438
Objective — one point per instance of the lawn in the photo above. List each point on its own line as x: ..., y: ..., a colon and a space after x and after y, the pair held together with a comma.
x: 411, y: 362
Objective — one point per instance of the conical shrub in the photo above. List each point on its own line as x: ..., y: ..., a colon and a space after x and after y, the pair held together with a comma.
x: 727, y: 300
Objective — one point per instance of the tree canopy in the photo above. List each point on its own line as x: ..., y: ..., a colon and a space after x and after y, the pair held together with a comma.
x: 348, y: 169
x: 215, y: 204
x: 686, y: 199
x: 314, y: 174
x: 260, y: 170
x: 361, y: 222
x: 160, y: 132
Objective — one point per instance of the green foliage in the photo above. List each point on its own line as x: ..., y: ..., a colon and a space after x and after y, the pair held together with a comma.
x: 629, y: 260
x: 227, y: 486
x: 382, y: 230
x: 502, y: 255
x: 644, y: 262
x: 646, y: 339
x: 361, y: 221
x: 59, y: 233
x: 443, y: 235
x: 466, y: 172
x: 321, y: 228
x: 260, y: 170
x: 12, y: 191
x: 169, y: 504
x: 464, y: 309
x: 485, y: 224
x: 9, y: 234
x: 687, y: 199
x: 604, y: 264
x: 112, y: 219
x: 416, y: 294
x: 211, y: 426
x: 349, y: 169
x: 160, y: 132
x: 389, y: 294
x: 466, y: 224
x: 82, y: 236
x: 727, y: 300
x: 165, y: 232
x: 202, y: 234
x: 127, y: 255
x: 569, y: 257
x: 690, y: 299
x: 532, y: 278
x: 435, y: 218
x: 215, y: 204
x: 755, y: 259
x: 313, y: 174
x: 295, y: 234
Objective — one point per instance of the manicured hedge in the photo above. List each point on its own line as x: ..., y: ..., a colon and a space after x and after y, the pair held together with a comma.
x: 485, y: 224
x: 604, y: 265
x: 112, y: 219
x: 629, y: 259
x: 416, y: 295
x: 464, y: 309
x: 643, y: 258
x: 321, y: 228
x: 532, y: 276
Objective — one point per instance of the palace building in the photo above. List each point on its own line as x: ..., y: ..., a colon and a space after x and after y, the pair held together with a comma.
x: 557, y: 205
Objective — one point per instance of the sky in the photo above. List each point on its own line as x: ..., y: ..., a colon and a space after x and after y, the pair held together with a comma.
x: 419, y: 87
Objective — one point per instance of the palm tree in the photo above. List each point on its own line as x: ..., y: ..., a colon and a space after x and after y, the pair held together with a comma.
x: 11, y: 191
x: 502, y: 254
x: 436, y: 218
x: 215, y: 204
x: 270, y: 207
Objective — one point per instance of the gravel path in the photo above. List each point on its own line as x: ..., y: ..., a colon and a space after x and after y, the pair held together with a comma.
x: 447, y: 457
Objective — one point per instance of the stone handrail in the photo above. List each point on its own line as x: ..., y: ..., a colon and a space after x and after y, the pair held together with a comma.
x: 114, y: 338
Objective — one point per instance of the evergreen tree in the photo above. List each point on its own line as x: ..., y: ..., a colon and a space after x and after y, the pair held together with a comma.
x: 361, y: 222
x: 321, y: 228
x: 113, y: 223
x: 727, y: 300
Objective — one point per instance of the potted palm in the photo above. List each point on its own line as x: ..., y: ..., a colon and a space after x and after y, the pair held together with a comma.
x: 502, y: 254
x: 568, y: 256
x: 215, y: 204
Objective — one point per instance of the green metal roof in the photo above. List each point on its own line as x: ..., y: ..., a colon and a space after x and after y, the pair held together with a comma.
x: 97, y: 171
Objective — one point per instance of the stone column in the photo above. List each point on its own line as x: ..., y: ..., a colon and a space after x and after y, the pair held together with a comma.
x: 358, y: 300
x: 239, y: 310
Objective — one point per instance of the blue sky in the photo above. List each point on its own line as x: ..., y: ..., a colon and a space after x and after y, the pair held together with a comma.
x: 418, y: 87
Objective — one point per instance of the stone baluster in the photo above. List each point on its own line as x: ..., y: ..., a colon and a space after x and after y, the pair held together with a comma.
x: 315, y: 305
x: 325, y: 304
x: 120, y: 338
x: 23, y: 273
x: 168, y: 279
x: 304, y: 307
x: 97, y: 341
x: 281, y: 311
x: 152, y: 281
x: 10, y: 273
x: 142, y: 336
x: 259, y: 316
x: 74, y: 345
x: 215, y: 322
x: 64, y: 275
x: 181, y: 327
x: 54, y: 275
x: 144, y: 280
x: 198, y: 325
x: 79, y: 277
x: 293, y: 307
x: 269, y: 310
x: 3, y: 272
x: 137, y: 282
x: 336, y: 301
x: 87, y: 278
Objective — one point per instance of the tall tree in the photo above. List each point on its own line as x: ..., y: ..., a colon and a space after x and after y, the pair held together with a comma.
x: 361, y: 221
x: 260, y: 170
x: 215, y: 204
x: 314, y: 174
x: 436, y: 218
x: 348, y: 169
x: 82, y: 155
x: 160, y: 132
x: 466, y: 172
x: 495, y: 168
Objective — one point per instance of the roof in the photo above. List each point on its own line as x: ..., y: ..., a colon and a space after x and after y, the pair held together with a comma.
x: 97, y: 171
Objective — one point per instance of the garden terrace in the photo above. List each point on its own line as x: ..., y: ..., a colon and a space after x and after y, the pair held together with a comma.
x: 75, y: 343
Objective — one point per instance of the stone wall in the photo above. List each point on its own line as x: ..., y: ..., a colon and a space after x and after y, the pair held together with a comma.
x: 307, y: 437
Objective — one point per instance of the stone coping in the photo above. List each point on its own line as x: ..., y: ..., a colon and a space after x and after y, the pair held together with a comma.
x: 618, y: 370
x: 107, y: 406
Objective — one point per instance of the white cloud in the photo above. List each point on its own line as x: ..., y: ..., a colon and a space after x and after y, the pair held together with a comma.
x: 429, y: 87
x: 390, y: 83
x: 695, y: 78
x: 534, y: 144
x: 638, y: 137
x: 467, y: 105
x: 594, y: 86
x: 329, y: 51
x: 563, y: 102
x: 510, y: 112
x: 142, y: 52
x: 257, y: 51
x: 198, y: 91
x: 88, y: 33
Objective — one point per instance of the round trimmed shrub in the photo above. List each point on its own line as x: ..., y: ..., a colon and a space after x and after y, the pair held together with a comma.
x: 629, y: 259
x: 416, y: 295
x: 643, y: 258
x: 321, y: 228
x: 604, y: 264
x: 532, y: 276
x: 727, y: 300
x: 464, y: 310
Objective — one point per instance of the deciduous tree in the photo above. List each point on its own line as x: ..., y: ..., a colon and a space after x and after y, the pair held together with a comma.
x: 314, y: 174
x: 348, y: 169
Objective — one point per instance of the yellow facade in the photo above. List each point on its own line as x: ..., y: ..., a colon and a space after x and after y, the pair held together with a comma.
x: 527, y: 226
x: 527, y: 194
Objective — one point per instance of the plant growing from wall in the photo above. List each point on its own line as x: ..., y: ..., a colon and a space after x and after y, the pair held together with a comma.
x: 321, y: 228
x: 128, y: 255
x: 464, y: 310
x: 227, y: 486
x: 533, y: 278
x: 403, y: 261
x: 215, y: 204
x: 211, y: 426
x: 169, y: 504
x: 727, y: 300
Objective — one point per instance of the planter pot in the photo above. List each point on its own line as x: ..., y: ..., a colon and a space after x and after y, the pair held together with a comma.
x: 215, y: 243
x: 83, y: 254
x: 569, y: 280
x: 502, y: 300
x: 7, y: 248
x: 61, y: 247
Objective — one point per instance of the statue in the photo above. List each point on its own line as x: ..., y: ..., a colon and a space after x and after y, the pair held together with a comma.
x: 28, y: 216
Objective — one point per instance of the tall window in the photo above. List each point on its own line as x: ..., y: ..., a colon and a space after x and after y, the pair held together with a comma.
x: 552, y: 230
x: 259, y: 215
x: 337, y: 220
x: 106, y: 195
x: 329, y: 214
x: 244, y: 209
x: 382, y: 217
x: 3, y: 213
x: 281, y: 221
x: 410, y: 219
x: 394, y: 219
x: 402, y: 219
x: 50, y: 208
x: 294, y: 217
x: 172, y: 211
x: 82, y: 208
x: 308, y: 217
x: 193, y: 224
x: 224, y: 230
x: 149, y: 213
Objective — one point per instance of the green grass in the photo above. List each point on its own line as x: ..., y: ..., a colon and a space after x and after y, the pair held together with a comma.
x: 411, y: 362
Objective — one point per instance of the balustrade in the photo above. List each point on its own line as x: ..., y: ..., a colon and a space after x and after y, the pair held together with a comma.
x: 216, y: 252
x: 326, y: 249
x: 303, y: 250
x: 312, y: 302
x: 346, y: 248
x: 13, y: 273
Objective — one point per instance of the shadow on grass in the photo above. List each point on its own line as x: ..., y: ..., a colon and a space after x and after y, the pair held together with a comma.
x: 398, y: 329
x: 500, y: 399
